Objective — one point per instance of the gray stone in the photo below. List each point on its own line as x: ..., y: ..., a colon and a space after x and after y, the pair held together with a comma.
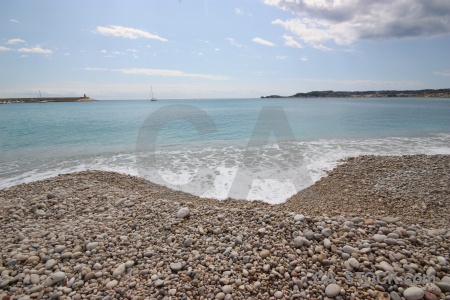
x: 353, y: 262
x: 413, y: 293
x: 227, y: 289
x: 176, y: 266
x: 309, y: 235
x: 111, y: 284
x: 183, y: 212
x: 264, y: 253
x: 332, y: 290
x: 50, y: 264
x: 349, y: 249
x: 54, y: 278
x: 444, y: 286
x: 298, y: 241
x: 326, y: 232
x: 120, y: 270
x: 395, y: 296
x: 379, y: 238
x: 278, y: 294
x: 299, y: 217
x: 60, y: 248
x: 91, y: 246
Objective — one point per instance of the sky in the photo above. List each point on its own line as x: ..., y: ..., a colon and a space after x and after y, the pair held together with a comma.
x: 187, y: 49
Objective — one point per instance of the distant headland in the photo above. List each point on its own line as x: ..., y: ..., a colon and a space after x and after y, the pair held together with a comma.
x: 46, y: 99
x: 441, y: 93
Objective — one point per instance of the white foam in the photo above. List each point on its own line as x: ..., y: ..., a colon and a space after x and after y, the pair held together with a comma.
x: 271, y: 174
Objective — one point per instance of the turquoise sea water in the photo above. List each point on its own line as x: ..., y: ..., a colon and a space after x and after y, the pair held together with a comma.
x: 39, y: 140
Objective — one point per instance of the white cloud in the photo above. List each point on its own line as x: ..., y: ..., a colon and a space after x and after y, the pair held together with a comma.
x: 36, y: 49
x: 344, y: 22
x: 4, y: 48
x: 262, y: 42
x: 127, y: 32
x: 95, y: 69
x: 304, y: 58
x: 291, y: 42
x: 66, y: 54
x: 103, y: 51
x: 15, y: 41
x: 234, y: 43
x: 238, y: 11
x: 445, y: 73
x: 132, y: 50
x: 281, y: 57
x: 14, y: 21
x: 159, y: 72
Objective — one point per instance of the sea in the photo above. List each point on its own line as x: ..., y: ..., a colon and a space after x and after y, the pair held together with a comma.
x: 248, y: 149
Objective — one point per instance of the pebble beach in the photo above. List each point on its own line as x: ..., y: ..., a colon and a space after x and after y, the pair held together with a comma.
x: 104, y: 235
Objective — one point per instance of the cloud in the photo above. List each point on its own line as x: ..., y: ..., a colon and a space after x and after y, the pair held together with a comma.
x: 304, y: 58
x: 234, y: 43
x: 344, y: 22
x: 36, y: 49
x: 281, y: 57
x: 4, y: 48
x: 103, y: 51
x: 159, y: 72
x: 238, y: 11
x: 15, y: 41
x: 14, y: 21
x: 132, y: 50
x: 291, y: 42
x: 445, y: 73
x: 127, y: 32
x: 262, y: 42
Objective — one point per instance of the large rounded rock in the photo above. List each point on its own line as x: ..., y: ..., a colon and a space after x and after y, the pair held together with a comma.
x: 54, y: 278
x: 298, y: 241
x: 176, y: 266
x: 332, y: 290
x: 120, y: 270
x: 413, y: 293
x: 183, y: 212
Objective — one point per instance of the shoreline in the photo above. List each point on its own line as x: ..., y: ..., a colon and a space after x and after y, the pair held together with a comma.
x: 100, y: 234
x: 45, y: 99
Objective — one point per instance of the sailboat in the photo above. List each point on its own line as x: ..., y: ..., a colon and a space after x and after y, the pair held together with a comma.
x: 153, y: 98
x: 40, y: 98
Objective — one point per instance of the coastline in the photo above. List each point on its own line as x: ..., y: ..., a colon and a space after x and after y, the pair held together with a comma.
x: 46, y: 99
x: 100, y: 234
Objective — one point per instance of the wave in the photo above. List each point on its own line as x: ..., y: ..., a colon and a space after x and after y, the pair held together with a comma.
x: 271, y: 174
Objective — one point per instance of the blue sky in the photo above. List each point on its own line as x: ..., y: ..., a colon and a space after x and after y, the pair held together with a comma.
x: 221, y: 49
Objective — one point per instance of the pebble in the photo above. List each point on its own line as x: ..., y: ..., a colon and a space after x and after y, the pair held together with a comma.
x: 278, y: 294
x: 176, y: 266
x: 120, y: 270
x: 111, y: 284
x: 91, y: 246
x: 298, y: 241
x: 250, y: 250
x: 332, y: 290
x: 183, y: 212
x: 54, y: 278
x: 227, y: 289
x: 413, y: 293
x: 264, y: 253
x: 299, y: 217
x: 349, y: 249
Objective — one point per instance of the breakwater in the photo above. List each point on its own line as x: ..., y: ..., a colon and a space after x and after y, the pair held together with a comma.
x: 46, y: 99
